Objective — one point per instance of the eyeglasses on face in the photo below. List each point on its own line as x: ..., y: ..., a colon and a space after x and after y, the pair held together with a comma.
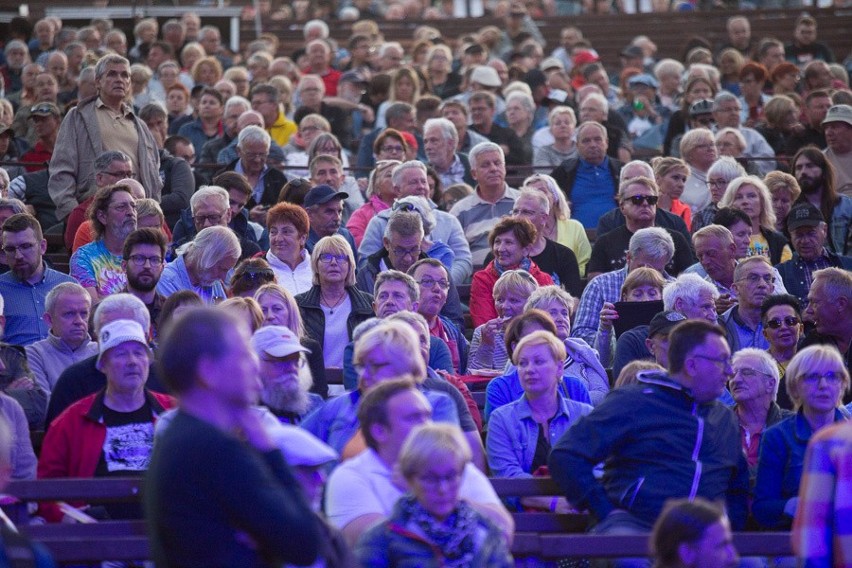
x: 831, y: 377
x: 24, y: 248
x: 724, y: 361
x: 141, y: 260
x: 205, y: 219
x: 789, y: 321
x: 638, y: 200
x: 328, y: 258
x: 431, y: 283
x: 755, y: 278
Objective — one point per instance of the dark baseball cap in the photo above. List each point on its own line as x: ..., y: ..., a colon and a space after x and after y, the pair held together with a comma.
x: 354, y: 77
x: 322, y: 194
x: 704, y: 106
x: 664, y: 321
x: 535, y: 78
x: 632, y: 51
x: 45, y: 109
x: 804, y: 215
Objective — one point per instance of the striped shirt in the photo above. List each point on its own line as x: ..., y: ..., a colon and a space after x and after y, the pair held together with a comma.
x: 25, y: 306
x: 478, y: 217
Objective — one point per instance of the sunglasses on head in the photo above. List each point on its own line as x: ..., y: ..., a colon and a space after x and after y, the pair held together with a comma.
x: 404, y: 206
x: 261, y: 274
x: 639, y: 199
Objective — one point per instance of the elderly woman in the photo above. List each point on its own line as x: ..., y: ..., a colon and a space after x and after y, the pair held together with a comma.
x: 249, y: 275
x: 817, y: 378
x: 668, y: 72
x: 288, y: 226
x: 279, y: 308
x: 751, y: 196
x: 381, y: 194
x: 754, y: 387
x: 520, y: 115
x: 730, y: 142
x: 698, y: 149
x: 721, y: 173
x: 782, y: 120
x: 784, y: 190
x: 333, y: 306
x: 390, y: 145
x: 521, y: 433
x: 511, y: 241
x: 561, y: 122
x: 203, y: 265
x: 560, y: 227
x: 431, y: 525
x: 671, y: 175
x: 441, y: 80
x: 487, y: 347
x: 206, y: 71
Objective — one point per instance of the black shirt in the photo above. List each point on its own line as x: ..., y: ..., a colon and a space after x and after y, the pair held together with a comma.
x: 560, y: 263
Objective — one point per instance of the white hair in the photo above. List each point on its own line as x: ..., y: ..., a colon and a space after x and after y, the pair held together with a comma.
x: 316, y: 24
x: 254, y: 134
x: 687, y: 287
x: 206, y: 192
x: 448, y: 129
x: 654, y: 242
x: 122, y: 302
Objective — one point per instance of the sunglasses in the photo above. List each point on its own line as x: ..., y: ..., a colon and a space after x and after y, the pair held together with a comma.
x: 262, y: 274
x: 638, y: 200
x: 405, y: 206
x: 789, y: 321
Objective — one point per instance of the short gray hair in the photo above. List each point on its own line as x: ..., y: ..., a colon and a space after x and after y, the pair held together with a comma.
x: 525, y: 99
x: 318, y: 24
x: 535, y: 195
x: 254, y: 134
x: 210, y: 246
x: 237, y: 100
x: 404, y: 224
x: 121, y: 302
x: 109, y: 59
x: 648, y: 170
x: 397, y: 276
x: 654, y: 242
x: 206, y: 192
x: 396, y: 176
x: 726, y: 167
x: 70, y: 288
x: 448, y: 129
x: 724, y: 97
x: 600, y: 98
x: 422, y: 207
x: 765, y: 363
x: 687, y: 287
x: 482, y: 148
x: 104, y: 159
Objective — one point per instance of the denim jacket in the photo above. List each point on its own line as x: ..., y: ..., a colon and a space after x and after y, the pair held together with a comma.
x: 513, y: 434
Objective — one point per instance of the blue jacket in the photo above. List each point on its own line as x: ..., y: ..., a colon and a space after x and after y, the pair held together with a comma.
x: 506, y: 389
x: 779, y: 468
x: 795, y: 278
x: 513, y: 434
x: 656, y: 443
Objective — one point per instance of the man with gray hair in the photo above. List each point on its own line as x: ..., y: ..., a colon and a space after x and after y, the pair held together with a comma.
x: 402, y: 247
x: 253, y: 145
x: 652, y: 247
x: 440, y: 140
x: 94, y: 125
x: 727, y: 110
x: 83, y: 378
x: 234, y: 107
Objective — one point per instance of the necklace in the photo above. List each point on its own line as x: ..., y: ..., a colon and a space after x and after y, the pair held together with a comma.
x: 328, y: 304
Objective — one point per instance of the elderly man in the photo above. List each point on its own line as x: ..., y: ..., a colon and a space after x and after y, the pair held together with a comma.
x: 589, y: 180
x: 324, y: 206
x: 838, y: 135
x: 808, y: 234
x: 210, y: 366
x: 830, y: 308
x: 94, y: 125
x: 440, y: 140
x: 319, y: 60
x: 727, y: 111
x: 266, y: 182
x: 409, y: 179
x: 753, y: 283
x: 66, y: 310
x: 652, y: 247
x: 203, y: 266
x: 45, y: 118
x: 143, y: 263
x: 739, y: 36
x: 211, y: 39
x: 26, y: 286
x: 97, y: 265
x: 638, y: 203
x: 265, y: 99
x: 249, y: 118
x: 110, y: 432
x: 677, y: 422
x: 491, y: 200
x: 234, y: 107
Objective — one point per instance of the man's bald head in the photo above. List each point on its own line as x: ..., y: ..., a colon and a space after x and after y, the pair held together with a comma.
x: 249, y: 118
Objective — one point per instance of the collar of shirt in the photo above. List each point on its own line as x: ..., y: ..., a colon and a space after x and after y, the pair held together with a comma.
x: 508, y: 193
x: 125, y: 110
x: 584, y: 165
x: 257, y: 190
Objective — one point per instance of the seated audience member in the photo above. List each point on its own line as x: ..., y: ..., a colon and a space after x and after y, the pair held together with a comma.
x: 723, y: 171
x: 753, y: 280
x: 698, y: 150
x: 328, y: 163
x: 66, y: 309
x: 109, y: 433
x: 142, y: 262
x: 17, y: 383
x: 830, y: 308
x: 687, y: 529
x: 334, y: 305
x: 629, y: 374
x: 808, y: 233
x: 249, y: 275
x: 717, y: 256
x: 552, y: 258
x: 652, y: 247
x: 84, y: 378
x: 410, y: 180
x: 785, y: 191
x: 296, y: 149
x: 246, y: 309
x: 284, y: 374
x: 521, y: 433
x: 487, y: 347
x: 641, y: 285
x: 97, y: 265
x: 279, y: 308
x: 816, y: 380
x: 380, y: 193
x: 177, y: 304
x: 288, y: 226
x: 507, y: 388
x: 388, y: 350
x: 781, y: 315
x: 670, y: 175
x: 750, y: 195
x: 253, y: 145
x: 492, y: 199
x: 561, y: 122
x: 510, y: 240
x: 324, y: 206
x: 421, y: 527
x: 362, y: 492
x: 85, y: 233
x: 638, y: 202
x: 203, y: 265
x: 239, y: 195
x: 754, y: 386
x: 662, y: 407
x: 560, y: 227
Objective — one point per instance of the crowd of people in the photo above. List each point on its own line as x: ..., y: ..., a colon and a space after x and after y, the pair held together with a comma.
x: 288, y: 271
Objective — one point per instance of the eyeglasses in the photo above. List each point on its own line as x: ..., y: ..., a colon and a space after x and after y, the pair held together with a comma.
x: 327, y: 258
x: 261, y: 274
x: 525, y: 212
x: 121, y: 174
x: 434, y: 481
x: 392, y: 149
x: 830, y: 377
x: 403, y: 252
x: 724, y: 361
x: 141, y: 260
x: 717, y: 183
x: 755, y: 278
x: 125, y: 207
x: 431, y: 282
x: 638, y: 200
x: 789, y: 321
x: 255, y: 155
x: 749, y: 373
x: 43, y: 107
x: 24, y: 248
x: 205, y: 219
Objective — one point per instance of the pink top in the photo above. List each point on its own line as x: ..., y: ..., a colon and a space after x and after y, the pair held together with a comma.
x: 359, y: 220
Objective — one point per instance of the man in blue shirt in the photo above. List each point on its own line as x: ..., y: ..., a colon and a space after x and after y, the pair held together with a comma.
x: 28, y: 281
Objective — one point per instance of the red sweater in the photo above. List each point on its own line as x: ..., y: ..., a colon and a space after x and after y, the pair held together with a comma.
x: 482, y: 307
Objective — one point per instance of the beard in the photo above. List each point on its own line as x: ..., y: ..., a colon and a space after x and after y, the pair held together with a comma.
x: 135, y: 283
x: 285, y: 397
x: 810, y: 185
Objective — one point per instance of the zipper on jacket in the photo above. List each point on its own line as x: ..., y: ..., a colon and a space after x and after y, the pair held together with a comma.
x: 696, y: 479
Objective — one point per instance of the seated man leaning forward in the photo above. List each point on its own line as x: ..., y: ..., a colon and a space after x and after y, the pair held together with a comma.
x: 363, y: 490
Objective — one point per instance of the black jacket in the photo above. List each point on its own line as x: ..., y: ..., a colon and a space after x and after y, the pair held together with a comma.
x: 314, y: 318
x: 566, y: 172
x: 273, y: 181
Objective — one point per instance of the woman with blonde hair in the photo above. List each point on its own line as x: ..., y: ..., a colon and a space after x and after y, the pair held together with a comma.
x: 670, y: 175
x: 751, y: 196
x: 561, y: 122
x: 784, y: 190
x: 380, y: 197
x: 404, y: 88
x: 207, y: 71
x: 441, y: 80
x: 246, y: 308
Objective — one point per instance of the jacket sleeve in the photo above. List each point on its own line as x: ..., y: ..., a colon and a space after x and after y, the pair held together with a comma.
x: 588, y: 314
x: 500, y: 445
x: 373, y: 547
x: 737, y: 495
x: 182, y: 188
x: 482, y: 308
x: 372, y: 239
x: 463, y: 262
x: 63, y: 182
x: 768, y: 505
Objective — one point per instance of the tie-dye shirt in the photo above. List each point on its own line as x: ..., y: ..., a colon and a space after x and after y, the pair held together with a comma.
x: 93, y: 266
